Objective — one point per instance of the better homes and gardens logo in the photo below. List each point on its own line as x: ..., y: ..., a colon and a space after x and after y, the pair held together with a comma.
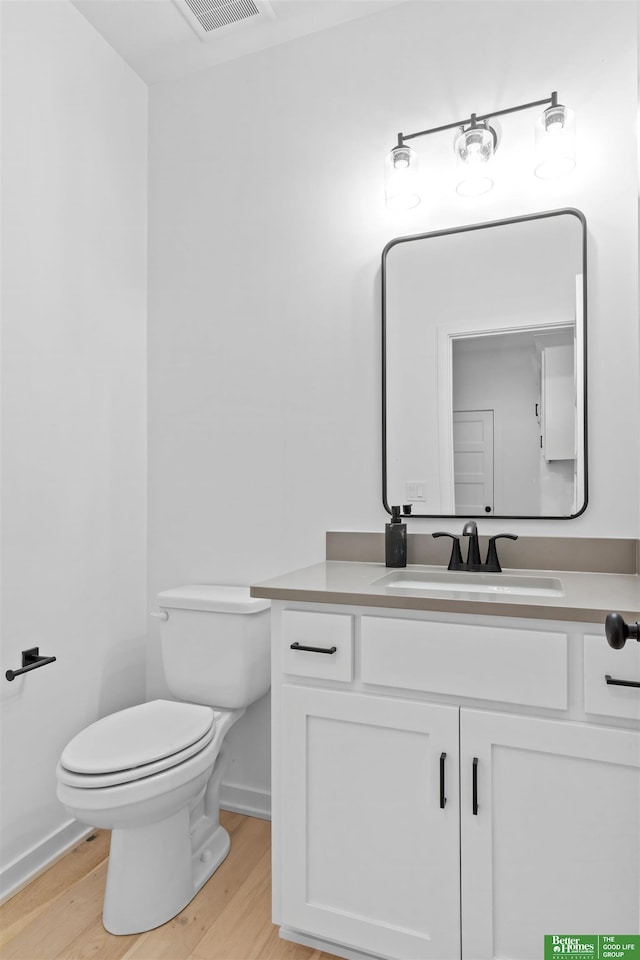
x: 592, y: 948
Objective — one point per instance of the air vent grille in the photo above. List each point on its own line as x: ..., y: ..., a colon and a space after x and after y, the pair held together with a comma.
x: 208, y: 18
x: 213, y: 14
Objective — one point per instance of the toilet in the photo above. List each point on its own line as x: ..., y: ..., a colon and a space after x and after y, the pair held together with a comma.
x: 151, y: 773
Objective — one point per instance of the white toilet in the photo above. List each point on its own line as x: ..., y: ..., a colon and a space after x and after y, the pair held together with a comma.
x: 151, y: 774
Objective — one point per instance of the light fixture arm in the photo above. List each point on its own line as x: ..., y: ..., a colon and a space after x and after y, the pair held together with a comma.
x: 474, y: 119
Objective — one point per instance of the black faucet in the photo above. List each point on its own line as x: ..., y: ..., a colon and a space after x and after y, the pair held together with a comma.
x: 470, y: 530
x: 492, y: 564
x: 473, y: 562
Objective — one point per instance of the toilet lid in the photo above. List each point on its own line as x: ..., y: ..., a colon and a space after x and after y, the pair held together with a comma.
x: 139, y: 736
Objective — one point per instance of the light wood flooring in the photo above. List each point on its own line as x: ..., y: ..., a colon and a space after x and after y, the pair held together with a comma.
x: 58, y: 915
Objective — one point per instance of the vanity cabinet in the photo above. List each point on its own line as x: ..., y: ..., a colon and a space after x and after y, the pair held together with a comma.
x: 369, y: 857
x: 554, y: 844
x: 449, y: 796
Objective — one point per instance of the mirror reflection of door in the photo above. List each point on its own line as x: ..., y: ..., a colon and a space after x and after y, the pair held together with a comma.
x: 473, y: 461
x: 525, y: 379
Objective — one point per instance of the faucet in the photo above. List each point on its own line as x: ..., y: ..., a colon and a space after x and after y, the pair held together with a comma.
x: 473, y: 562
x: 470, y: 530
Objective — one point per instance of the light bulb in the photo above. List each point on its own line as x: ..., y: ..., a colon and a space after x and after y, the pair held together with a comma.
x: 555, y: 142
x: 401, y: 178
x: 401, y: 157
x: 474, y: 148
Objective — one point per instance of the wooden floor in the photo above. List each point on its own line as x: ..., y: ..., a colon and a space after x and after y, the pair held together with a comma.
x: 58, y: 915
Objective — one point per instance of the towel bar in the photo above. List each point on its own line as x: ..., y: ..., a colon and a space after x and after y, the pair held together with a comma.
x: 31, y: 660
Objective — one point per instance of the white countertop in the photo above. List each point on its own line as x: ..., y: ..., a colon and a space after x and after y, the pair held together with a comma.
x: 587, y: 597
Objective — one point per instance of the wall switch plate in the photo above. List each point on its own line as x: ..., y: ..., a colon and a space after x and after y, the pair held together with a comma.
x: 415, y: 491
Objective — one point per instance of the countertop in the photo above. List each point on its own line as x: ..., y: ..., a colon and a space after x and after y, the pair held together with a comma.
x: 587, y: 597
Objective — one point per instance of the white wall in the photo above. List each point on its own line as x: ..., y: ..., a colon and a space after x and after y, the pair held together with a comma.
x: 266, y: 229
x: 73, y: 404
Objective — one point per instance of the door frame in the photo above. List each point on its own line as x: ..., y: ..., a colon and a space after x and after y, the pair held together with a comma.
x: 446, y: 334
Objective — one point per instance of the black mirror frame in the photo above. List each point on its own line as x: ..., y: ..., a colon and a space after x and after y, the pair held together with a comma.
x: 466, y: 229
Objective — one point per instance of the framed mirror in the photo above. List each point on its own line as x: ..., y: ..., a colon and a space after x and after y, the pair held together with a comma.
x: 484, y: 381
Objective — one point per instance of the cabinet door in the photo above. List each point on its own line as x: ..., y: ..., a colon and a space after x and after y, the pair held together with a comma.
x: 558, y: 403
x: 553, y: 844
x: 369, y: 857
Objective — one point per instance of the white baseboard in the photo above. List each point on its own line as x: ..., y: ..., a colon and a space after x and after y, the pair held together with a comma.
x: 15, y: 875
x: 253, y: 803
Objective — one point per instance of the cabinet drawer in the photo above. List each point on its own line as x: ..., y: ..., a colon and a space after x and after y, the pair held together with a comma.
x: 325, y: 631
x: 490, y: 663
x: 600, y: 661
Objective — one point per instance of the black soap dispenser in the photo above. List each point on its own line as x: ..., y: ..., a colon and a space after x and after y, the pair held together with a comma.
x: 395, y: 540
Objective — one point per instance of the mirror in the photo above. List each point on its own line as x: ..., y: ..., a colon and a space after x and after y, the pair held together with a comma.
x: 484, y: 369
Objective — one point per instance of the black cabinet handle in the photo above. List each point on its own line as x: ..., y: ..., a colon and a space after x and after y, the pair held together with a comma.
x: 620, y: 683
x: 474, y: 802
x: 300, y: 646
x: 443, y: 799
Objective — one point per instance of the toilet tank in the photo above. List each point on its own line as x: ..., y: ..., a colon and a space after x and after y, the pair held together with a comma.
x: 215, y: 645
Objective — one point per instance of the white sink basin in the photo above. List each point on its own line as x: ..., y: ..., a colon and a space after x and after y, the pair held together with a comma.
x: 480, y: 584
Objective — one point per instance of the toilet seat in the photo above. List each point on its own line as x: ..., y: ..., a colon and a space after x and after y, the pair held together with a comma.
x: 135, y: 743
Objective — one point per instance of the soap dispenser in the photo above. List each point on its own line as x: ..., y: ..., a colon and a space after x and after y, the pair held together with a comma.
x: 395, y: 540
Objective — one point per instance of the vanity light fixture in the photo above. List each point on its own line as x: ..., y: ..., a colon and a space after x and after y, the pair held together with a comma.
x: 474, y: 146
x: 555, y: 142
x: 402, y: 187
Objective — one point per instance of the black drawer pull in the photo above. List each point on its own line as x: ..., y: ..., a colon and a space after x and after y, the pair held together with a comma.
x: 300, y: 646
x: 620, y: 683
x: 443, y: 799
x: 475, y: 787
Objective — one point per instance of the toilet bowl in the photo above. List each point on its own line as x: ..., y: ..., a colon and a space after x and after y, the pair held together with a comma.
x: 151, y: 773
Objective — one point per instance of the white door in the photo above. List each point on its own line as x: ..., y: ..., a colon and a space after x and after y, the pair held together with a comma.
x: 552, y: 847
x: 370, y: 857
x: 473, y: 461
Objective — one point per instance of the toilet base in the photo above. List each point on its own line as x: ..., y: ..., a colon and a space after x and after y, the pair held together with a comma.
x: 156, y: 870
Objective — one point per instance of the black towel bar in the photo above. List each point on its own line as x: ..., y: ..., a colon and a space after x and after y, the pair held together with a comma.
x: 31, y: 660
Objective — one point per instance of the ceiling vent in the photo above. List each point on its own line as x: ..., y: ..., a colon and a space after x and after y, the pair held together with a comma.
x: 209, y: 18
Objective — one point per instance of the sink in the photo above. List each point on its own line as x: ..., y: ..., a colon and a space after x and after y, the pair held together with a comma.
x: 478, y: 584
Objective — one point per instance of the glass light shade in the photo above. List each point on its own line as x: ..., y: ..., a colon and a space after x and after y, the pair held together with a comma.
x: 401, y: 179
x: 474, y: 148
x: 555, y: 142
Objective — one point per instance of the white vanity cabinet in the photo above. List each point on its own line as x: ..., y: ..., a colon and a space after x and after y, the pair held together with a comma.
x: 555, y: 844
x: 439, y: 790
x: 369, y: 857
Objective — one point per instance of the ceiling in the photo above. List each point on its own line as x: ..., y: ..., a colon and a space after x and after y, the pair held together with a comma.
x: 156, y: 40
